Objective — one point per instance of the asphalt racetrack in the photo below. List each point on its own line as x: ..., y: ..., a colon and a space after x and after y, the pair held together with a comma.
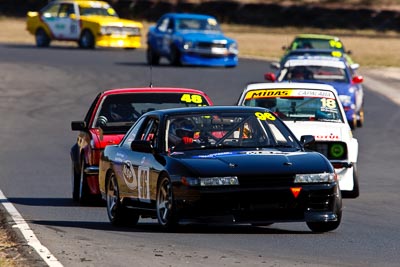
x: 43, y: 90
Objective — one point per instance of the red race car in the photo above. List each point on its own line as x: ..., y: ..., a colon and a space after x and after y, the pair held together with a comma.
x: 109, y: 117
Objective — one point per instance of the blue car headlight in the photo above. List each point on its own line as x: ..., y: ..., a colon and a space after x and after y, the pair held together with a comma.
x: 325, y: 177
x: 187, y: 45
x: 211, y: 181
x: 233, y: 48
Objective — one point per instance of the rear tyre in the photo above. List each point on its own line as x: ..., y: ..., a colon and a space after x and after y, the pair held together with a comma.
x: 42, y: 39
x: 165, y: 206
x: 353, y: 123
x: 360, y: 119
x: 117, y: 213
x: 86, y: 41
x: 152, y: 57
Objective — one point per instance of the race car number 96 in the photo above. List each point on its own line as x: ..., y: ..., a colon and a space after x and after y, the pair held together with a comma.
x: 265, y: 116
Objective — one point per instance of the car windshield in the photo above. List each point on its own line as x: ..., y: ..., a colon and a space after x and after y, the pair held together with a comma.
x: 120, y: 111
x: 300, y: 104
x: 97, y: 11
x: 311, y: 43
x: 316, y: 73
x: 193, y: 24
x: 228, y: 130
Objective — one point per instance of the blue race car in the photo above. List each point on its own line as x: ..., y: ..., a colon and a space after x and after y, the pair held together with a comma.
x: 334, y: 71
x: 190, y: 39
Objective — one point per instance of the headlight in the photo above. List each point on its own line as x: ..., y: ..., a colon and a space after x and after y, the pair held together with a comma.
x: 345, y: 99
x: 187, y: 45
x: 106, y: 30
x: 211, y: 181
x: 315, y: 178
x: 233, y: 48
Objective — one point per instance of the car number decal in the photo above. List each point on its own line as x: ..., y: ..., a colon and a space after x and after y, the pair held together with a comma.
x: 188, y: 98
x: 265, y: 116
x: 144, y: 185
x: 335, y: 44
x: 267, y: 93
x: 139, y: 182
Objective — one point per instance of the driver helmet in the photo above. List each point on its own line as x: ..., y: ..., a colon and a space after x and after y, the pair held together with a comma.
x: 121, y: 112
x: 267, y: 102
x: 182, y: 127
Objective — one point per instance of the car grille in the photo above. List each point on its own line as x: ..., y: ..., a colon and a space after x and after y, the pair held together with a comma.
x: 130, y: 31
x: 205, y: 45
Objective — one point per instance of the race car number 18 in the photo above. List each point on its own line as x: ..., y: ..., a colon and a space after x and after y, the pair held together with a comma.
x: 265, y: 116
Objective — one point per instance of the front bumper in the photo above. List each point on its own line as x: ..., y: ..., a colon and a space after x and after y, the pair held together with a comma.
x: 201, y: 59
x: 315, y: 203
x: 118, y: 41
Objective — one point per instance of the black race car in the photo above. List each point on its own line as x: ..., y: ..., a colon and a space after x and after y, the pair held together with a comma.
x: 209, y: 164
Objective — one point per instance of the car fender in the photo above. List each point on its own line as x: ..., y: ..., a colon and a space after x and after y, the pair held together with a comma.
x: 353, y: 150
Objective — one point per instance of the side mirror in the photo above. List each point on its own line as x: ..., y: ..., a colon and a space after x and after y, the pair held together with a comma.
x: 307, y: 140
x: 354, y: 66
x: 78, y: 125
x: 269, y: 76
x: 357, y: 79
x: 276, y: 65
x: 142, y: 146
x: 349, y: 52
x: 72, y: 16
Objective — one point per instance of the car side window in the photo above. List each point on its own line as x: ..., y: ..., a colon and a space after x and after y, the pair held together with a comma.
x: 163, y: 26
x: 51, y: 11
x: 66, y: 10
x: 131, y: 135
x: 150, y: 132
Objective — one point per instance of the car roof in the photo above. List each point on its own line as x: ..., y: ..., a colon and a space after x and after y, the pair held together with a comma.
x: 189, y: 15
x: 317, y: 36
x: 205, y: 109
x: 153, y: 90
x: 328, y: 61
x: 86, y: 3
x: 289, y: 85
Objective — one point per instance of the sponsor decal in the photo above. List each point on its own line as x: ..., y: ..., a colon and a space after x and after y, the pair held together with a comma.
x: 273, y: 93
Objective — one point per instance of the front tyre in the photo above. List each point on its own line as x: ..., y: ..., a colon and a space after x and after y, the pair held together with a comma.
x: 42, y: 39
x: 165, y: 206
x: 86, y: 41
x: 117, y: 213
x: 82, y: 186
x: 75, y: 183
x: 175, y: 56
x: 322, y: 227
x: 152, y: 57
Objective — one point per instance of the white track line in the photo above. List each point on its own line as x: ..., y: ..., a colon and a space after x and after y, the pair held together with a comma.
x: 28, y: 234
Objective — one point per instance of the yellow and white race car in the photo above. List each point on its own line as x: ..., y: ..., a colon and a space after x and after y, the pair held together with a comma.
x: 89, y: 23
x: 313, y: 109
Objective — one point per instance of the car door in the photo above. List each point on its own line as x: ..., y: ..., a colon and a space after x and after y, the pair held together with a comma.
x: 162, y: 35
x: 139, y: 177
x: 62, y: 25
